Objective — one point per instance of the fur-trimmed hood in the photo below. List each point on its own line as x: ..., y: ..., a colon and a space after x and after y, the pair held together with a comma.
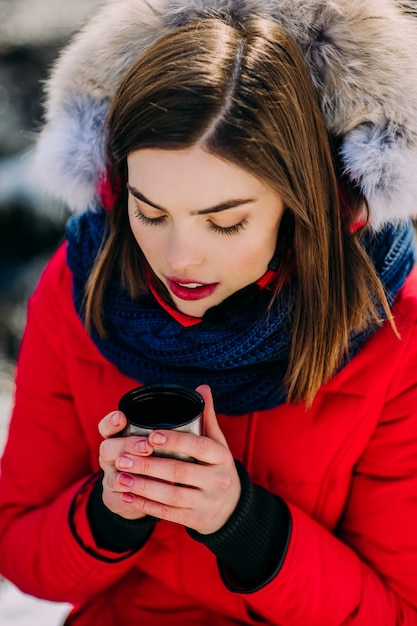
x: 362, y: 59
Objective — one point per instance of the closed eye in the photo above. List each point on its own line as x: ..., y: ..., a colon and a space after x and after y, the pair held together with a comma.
x: 228, y: 230
x: 149, y: 221
x: 222, y: 230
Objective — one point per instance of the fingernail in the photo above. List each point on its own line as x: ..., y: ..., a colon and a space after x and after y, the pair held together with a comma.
x: 128, y: 498
x: 124, y: 462
x: 142, y: 445
x: 126, y: 480
x: 115, y: 419
x: 158, y: 438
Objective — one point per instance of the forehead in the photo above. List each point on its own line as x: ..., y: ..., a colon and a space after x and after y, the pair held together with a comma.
x: 190, y: 172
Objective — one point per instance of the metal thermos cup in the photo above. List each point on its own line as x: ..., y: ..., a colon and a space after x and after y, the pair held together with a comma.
x: 162, y: 406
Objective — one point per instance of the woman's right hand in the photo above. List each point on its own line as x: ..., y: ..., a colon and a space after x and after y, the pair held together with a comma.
x: 114, y: 463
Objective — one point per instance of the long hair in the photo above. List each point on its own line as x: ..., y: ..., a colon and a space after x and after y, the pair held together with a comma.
x: 244, y: 94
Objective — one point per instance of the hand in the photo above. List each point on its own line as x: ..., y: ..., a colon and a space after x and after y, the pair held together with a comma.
x: 114, y: 449
x: 199, y: 495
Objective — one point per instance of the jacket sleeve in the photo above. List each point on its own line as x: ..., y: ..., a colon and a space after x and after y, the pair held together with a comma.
x: 366, y: 571
x: 46, y: 468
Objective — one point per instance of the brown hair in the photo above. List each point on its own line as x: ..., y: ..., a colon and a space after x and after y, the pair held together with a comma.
x: 245, y: 95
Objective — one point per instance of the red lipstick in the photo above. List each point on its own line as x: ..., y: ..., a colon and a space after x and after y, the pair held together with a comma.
x: 187, y: 289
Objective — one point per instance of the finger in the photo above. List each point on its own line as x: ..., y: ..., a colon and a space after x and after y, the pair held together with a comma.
x: 203, y: 450
x: 211, y: 425
x: 118, y: 499
x: 163, y: 492
x: 205, y: 508
x: 112, y: 424
x: 168, y: 470
x: 197, y: 447
x: 122, y: 450
x: 110, y: 450
x: 121, y: 504
x: 158, y: 499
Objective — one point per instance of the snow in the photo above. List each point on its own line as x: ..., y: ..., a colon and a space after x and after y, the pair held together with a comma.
x: 18, y: 609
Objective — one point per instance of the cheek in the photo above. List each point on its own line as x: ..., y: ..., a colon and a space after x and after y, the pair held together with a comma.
x: 258, y: 251
x: 246, y: 263
x: 150, y: 245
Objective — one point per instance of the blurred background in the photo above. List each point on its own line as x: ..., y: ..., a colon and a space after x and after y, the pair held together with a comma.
x: 31, y: 226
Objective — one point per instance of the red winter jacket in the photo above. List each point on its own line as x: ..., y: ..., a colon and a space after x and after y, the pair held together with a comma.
x: 347, y: 467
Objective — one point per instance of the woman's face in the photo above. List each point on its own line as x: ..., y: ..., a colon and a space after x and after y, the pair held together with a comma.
x: 206, y: 226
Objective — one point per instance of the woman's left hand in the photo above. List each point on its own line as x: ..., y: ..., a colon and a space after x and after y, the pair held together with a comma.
x: 200, y: 495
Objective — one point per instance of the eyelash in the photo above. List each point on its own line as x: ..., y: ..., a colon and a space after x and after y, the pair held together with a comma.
x: 155, y: 221
x: 228, y: 230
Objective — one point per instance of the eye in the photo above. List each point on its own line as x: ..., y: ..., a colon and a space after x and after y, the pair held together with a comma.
x: 149, y: 221
x: 228, y: 230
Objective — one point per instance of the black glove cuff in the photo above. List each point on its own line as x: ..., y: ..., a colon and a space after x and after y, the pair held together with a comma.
x: 252, y: 544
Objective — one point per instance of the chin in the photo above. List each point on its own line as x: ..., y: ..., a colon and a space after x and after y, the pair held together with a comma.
x: 192, y: 311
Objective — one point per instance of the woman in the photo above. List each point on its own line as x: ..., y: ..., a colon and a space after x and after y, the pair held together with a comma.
x: 246, y: 234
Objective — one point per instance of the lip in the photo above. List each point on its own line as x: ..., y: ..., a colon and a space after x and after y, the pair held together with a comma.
x: 178, y: 287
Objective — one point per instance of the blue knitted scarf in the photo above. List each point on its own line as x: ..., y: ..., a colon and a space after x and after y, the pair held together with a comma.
x: 239, y: 348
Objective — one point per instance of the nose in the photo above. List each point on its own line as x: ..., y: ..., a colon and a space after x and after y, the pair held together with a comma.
x: 184, y: 249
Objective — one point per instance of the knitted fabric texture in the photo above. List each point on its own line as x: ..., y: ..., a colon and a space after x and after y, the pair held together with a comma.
x: 244, y: 356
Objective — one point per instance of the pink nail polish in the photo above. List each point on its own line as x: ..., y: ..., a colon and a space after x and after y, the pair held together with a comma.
x: 124, y: 462
x: 126, y: 480
x: 142, y: 446
x: 115, y: 419
x: 158, y: 438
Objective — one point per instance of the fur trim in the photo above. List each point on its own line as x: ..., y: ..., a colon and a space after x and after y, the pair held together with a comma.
x: 361, y: 55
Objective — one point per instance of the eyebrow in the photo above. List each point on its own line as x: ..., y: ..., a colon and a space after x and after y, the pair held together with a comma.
x: 223, y: 206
